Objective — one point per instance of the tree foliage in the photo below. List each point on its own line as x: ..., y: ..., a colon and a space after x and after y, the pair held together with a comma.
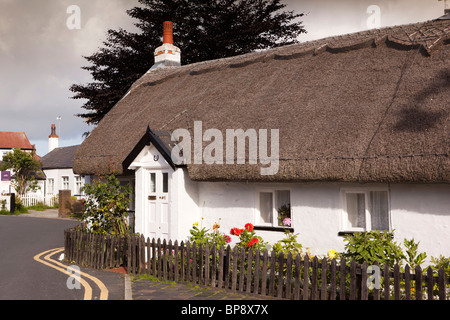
x: 106, y: 207
x: 203, y: 30
x: 24, y: 166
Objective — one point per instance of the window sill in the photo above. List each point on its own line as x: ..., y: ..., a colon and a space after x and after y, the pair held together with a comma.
x: 275, y: 229
x: 346, y: 233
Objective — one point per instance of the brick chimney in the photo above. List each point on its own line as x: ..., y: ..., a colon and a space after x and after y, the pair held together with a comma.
x: 53, y: 139
x: 167, y: 55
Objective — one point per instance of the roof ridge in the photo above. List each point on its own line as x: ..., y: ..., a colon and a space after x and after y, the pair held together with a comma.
x: 347, y: 42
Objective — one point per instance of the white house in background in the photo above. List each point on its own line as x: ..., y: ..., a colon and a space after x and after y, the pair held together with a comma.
x: 8, y: 142
x: 57, y: 166
x: 363, y: 140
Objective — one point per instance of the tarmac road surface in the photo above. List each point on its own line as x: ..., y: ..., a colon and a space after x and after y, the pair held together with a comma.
x: 30, y: 269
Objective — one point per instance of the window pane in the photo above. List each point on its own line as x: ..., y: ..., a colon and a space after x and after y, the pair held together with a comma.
x: 265, y: 207
x: 283, y: 205
x: 379, y: 211
x: 165, y: 182
x: 153, y: 182
x: 356, y: 210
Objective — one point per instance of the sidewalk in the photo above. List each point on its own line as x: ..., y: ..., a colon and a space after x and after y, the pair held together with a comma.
x: 48, y: 213
x: 144, y: 289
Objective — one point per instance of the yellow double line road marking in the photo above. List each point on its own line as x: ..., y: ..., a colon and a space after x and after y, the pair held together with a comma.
x: 65, y: 269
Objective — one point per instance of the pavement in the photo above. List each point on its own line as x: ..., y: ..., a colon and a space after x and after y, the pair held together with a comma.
x: 49, y: 213
x: 142, y: 288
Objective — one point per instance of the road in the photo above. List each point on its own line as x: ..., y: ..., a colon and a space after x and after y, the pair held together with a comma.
x: 26, y: 274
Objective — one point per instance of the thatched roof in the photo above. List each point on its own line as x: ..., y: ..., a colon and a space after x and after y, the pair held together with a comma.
x: 371, y: 106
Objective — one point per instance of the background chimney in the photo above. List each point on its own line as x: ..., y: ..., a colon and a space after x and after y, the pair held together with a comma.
x: 167, y: 55
x: 53, y: 139
x: 167, y: 32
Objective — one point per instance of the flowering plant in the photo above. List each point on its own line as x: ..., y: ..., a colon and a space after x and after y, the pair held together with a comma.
x: 289, y: 243
x: 205, y: 236
x: 248, y: 238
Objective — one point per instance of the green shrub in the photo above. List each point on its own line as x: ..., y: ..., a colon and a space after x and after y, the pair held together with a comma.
x: 106, y: 208
x: 205, y: 236
x: 373, y: 246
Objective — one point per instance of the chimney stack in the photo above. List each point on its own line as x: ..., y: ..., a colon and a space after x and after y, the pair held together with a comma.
x: 167, y: 55
x: 167, y: 32
x: 53, y: 139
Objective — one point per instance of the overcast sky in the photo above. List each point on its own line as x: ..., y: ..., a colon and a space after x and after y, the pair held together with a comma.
x: 40, y: 57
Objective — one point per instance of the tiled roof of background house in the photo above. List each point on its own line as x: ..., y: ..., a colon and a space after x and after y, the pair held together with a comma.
x: 11, y: 140
x: 59, y: 158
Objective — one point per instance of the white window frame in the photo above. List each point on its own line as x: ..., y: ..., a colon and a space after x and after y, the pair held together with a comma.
x: 258, y: 221
x: 78, y: 184
x: 64, y: 183
x: 368, y: 218
x: 51, y: 185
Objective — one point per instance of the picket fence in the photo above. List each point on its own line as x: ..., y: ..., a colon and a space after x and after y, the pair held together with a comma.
x: 29, y: 200
x: 255, y: 273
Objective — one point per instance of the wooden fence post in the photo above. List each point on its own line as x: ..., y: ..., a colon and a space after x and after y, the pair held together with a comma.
x: 221, y: 268
x: 248, y: 285
x: 441, y: 283
x: 298, y: 270
x: 418, y: 278
x: 235, y: 268
x: 387, y: 277
x: 364, y: 288
x: 213, y: 266
x: 333, y: 280
x: 279, y: 292
x: 430, y: 283
x: 397, y: 282
x: 288, y: 293
x: 323, y: 290
x: 306, y: 278
x: 242, y: 270
x: 257, y: 272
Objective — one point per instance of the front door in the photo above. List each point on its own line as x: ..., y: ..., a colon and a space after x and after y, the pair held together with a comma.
x: 157, y: 216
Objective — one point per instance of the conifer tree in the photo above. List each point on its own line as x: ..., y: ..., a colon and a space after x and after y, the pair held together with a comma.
x: 203, y: 30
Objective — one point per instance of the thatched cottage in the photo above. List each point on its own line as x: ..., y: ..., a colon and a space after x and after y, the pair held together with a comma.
x: 354, y: 130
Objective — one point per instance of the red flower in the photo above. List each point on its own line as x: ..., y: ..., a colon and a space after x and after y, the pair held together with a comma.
x: 252, y: 242
x: 236, y: 231
x: 249, y: 227
x: 227, y: 238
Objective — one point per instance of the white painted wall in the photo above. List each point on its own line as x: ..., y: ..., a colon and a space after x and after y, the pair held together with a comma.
x: 422, y: 212
x: 57, y: 175
x: 419, y: 211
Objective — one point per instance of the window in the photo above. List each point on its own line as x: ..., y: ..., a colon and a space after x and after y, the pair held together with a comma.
x: 65, y: 183
x: 274, y: 206
x: 366, y: 210
x: 51, y: 185
x: 78, y: 185
x: 152, y: 182
x: 165, y: 182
